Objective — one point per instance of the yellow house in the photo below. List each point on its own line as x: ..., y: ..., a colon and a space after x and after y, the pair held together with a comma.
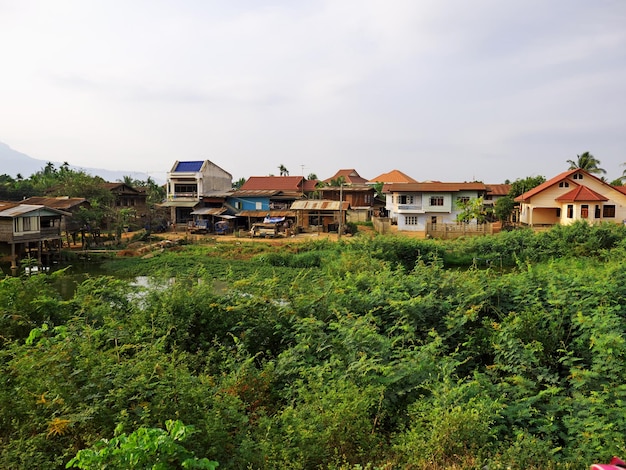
x: 571, y: 196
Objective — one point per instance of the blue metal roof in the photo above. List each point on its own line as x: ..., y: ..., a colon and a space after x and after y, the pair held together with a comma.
x: 189, y: 166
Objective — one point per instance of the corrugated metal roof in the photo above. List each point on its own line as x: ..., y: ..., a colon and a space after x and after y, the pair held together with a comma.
x: 63, y: 203
x: 272, y: 213
x: 320, y: 205
x: 22, y: 209
x: 208, y: 211
x: 186, y: 167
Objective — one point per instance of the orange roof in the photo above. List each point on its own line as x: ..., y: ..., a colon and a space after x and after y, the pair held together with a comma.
x: 581, y: 193
x: 394, y: 176
x: 498, y: 189
x: 277, y: 183
x: 350, y: 176
x: 434, y: 187
x: 557, y: 179
x: 621, y: 189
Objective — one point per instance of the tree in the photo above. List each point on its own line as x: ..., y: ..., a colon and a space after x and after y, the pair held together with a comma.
x: 521, y: 185
x: 283, y: 170
x: 239, y: 183
x: 504, y: 208
x: 587, y: 162
x: 470, y: 210
x: 312, y: 177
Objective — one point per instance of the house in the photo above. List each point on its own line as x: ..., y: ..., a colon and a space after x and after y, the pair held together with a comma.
x: 347, y: 185
x: 32, y: 230
x: 263, y: 196
x: 414, y: 206
x: 570, y: 196
x: 188, y: 182
x: 128, y: 198
x: 71, y: 223
x: 495, y: 192
x: 320, y: 215
x: 393, y: 176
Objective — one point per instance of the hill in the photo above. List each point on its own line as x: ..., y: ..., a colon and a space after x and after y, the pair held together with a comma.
x: 15, y: 162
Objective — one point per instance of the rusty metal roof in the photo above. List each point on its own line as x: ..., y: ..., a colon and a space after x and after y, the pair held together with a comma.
x: 320, y: 205
x: 23, y: 209
x: 208, y: 211
x: 272, y: 213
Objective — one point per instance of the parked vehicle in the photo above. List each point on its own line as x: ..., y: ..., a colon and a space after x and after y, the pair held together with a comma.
x: 265, y: 230
x: 222, y: 227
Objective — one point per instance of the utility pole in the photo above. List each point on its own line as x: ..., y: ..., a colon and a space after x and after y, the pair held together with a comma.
x: 340, y: 210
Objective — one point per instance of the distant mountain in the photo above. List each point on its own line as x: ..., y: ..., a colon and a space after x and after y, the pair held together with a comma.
x: 13, y: 163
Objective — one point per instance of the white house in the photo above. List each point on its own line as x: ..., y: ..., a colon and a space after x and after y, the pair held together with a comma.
x: 189, y: 182
x: 414, y: 205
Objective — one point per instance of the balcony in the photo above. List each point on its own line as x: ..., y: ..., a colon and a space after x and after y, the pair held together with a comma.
x: 402, y: 208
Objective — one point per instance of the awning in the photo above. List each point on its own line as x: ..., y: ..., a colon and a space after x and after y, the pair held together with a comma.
x: 208, y: 211
x: 179, y: 203
x: 272, y: 213
x: 226, y: 216
x: 320, y: 205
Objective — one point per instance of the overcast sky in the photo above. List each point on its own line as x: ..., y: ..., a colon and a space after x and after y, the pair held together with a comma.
x: 450, y: 90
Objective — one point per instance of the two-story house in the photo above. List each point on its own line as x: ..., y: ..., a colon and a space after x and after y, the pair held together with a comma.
x: 570, y: 196
x: 188, y: 182
x: 348, y: 186
x: 414, y: 205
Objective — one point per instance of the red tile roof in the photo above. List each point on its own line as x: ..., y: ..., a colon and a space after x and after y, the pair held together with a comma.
x: 498, y: 189
x: 350, y: 176
x: 434, y: 187
x: 279, y: 183
x: 566, y: 175
x: 394, y: 176
x: 581, y: 193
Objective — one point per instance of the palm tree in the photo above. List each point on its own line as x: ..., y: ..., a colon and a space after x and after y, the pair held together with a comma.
x: 587, y: 162
x: 283, y: 170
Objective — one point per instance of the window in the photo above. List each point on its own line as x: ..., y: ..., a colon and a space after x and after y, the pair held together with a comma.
x: 185, y: 188
x: 463, y: 200
x: 570, y: 211
x: 563, y: 184
x: 26, y: 224
x: 584, y: 211
x: 258, y: 205
x: 578, y: 176
x: 597, y: 212
x: 433, y: 219
x: 411, y: 220
x: 237, y: 204
x: 436, y: 201
x: 608, y: 211
x: 406, y: 199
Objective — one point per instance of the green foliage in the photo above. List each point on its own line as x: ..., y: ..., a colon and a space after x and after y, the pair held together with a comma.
x: 369, y: 353
x: 522, y: 185
x: 144, y: 448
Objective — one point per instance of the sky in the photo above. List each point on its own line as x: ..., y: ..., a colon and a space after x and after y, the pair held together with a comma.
x: 448, y: 90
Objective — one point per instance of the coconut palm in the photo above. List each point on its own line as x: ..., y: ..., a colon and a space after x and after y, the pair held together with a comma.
x: 587, y: 162
x: 283, y: 170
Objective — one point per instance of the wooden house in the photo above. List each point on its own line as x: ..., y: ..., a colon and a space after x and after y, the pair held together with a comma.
x: 30, y: 230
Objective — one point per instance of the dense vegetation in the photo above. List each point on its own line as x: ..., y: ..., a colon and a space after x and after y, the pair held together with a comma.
x: 370, y: 353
